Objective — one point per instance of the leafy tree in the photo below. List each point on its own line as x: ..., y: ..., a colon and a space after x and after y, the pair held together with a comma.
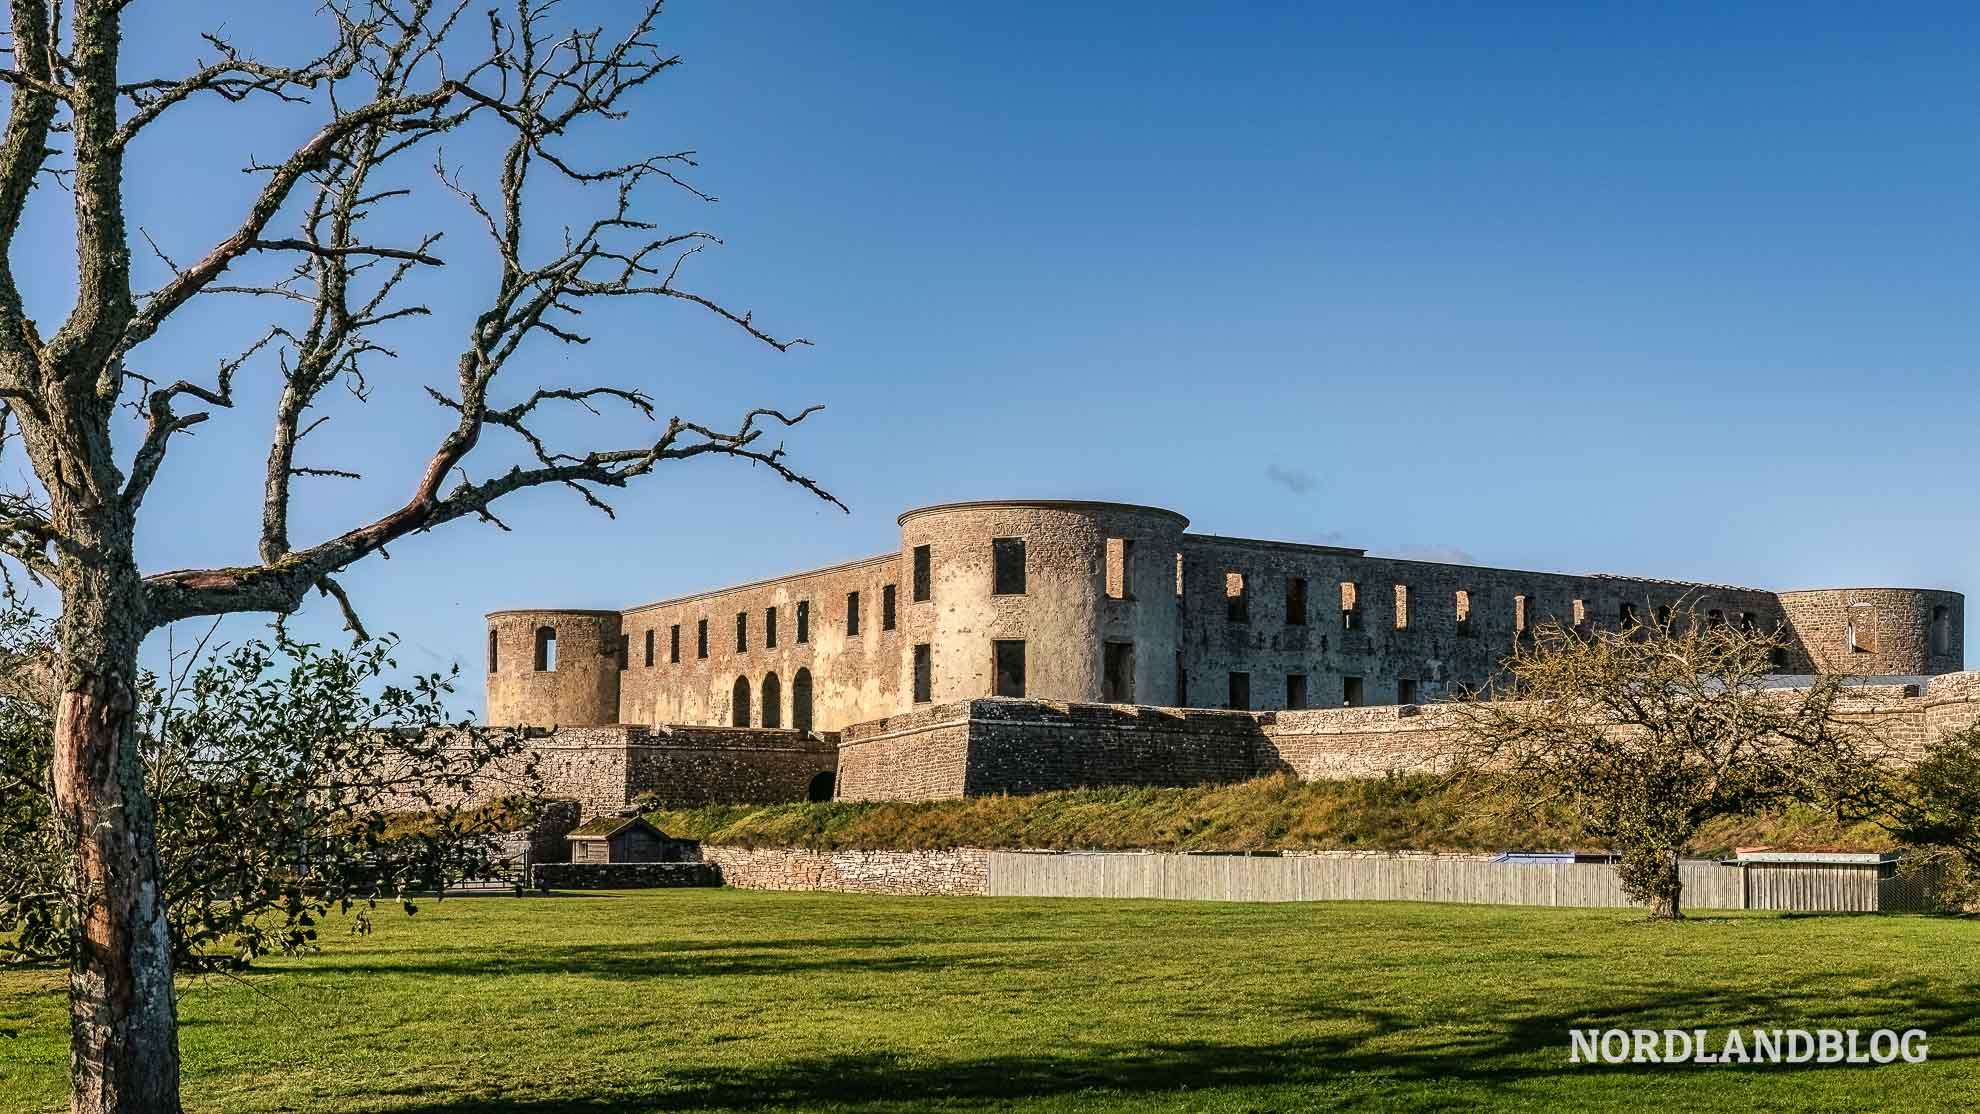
x: 320, y: 261
x: 274, y: 769
x: 1646, y: 734
x: 1935, y: 807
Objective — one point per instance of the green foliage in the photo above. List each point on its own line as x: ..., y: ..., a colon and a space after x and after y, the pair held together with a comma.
x: 1416, y: 812
x: 1647, y: 734
x: 273, y: 766
x: 1938, y: 810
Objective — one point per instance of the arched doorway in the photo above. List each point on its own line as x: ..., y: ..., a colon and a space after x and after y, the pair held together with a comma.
x: 739, y: 703
x: 821, y: 787
x: 801, y: 700
x: 771, y: 711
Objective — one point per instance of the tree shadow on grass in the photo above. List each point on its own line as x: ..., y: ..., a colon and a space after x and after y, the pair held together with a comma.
x: 1378, y: 1058
x: 665, y: 959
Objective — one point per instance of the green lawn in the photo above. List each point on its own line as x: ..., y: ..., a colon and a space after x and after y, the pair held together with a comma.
x: 720, y: 1000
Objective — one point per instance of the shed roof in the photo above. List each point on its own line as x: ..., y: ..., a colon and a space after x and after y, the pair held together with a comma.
x: 605, y: 827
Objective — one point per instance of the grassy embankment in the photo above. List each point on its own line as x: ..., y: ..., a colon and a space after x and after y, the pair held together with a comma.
x: 1273, y: 813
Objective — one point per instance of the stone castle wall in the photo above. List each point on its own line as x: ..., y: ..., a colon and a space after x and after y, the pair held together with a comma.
x: 1878, y: 631
x: 959, y: 872
x: 829, y: 677
x: 1120, y: 605
x: 605, y: 769
x: 1405, y: 628
x: 990, y: 746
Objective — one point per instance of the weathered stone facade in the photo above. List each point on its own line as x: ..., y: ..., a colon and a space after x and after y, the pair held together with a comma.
x: 978, y: 747
x: 962, y: 871
x: 1111, y: 603
x: 605, y: 769
x: 1074, y: 604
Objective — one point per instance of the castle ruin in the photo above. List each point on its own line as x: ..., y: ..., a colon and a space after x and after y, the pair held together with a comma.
x: 1066, y: 604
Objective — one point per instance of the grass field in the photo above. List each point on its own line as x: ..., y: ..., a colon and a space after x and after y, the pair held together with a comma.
x: 725, y: 1000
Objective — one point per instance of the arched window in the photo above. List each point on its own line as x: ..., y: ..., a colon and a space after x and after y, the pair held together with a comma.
x: 772, y: 711
x: 821, y: 786
x: 801, y: 700
x: 739, y: 703
x: 491, y: 650
x: 546, y: 649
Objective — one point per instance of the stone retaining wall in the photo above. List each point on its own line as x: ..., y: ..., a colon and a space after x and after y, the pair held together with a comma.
x: 997, y: 745
x: 622, y: 876
x: 960, y: 872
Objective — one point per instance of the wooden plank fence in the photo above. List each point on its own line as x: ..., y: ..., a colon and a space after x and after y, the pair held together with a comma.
x: 1452, y: 878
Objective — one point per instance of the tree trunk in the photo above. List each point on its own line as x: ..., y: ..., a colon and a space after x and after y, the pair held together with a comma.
x: 124, y: 1050
x: 1664, y: 907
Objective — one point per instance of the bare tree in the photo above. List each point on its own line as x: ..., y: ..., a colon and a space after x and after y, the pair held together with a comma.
x: 395, y: 77
x: 1645, y: 734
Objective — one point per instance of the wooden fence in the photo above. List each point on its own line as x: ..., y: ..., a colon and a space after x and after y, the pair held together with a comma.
x: 1454, y: 878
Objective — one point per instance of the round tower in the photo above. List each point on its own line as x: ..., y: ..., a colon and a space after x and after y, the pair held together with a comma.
x: 1865, y: 631
x: 1058, y: 600
x: 555, y: 668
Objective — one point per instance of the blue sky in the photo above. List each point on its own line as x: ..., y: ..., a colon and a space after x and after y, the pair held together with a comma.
x: 1680, y: 292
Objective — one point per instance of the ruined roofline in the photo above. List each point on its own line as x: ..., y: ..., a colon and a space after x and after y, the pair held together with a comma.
x: 711, y: 593
x: 1349, y: 551
x: 549, y: 610
x: 1869, y: 588
x: 1058, y: 504
x: 1668, y: 582
x: 1268, y: 543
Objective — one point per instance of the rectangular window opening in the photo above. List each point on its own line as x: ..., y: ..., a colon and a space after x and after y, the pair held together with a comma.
x: 1120, y: 569
x: 1402, y: 607
x: 1237, y: 601
x: 1117, y: 679
x: 1351, y: 692
x: 1463, y: 610
x: 649, y: 648
x: 924, y: 673
x: 1350, y: 605
x: 1008, y: 657
x: 769, y: 628
x: 624, y: 652
x: 546, y: 649
x: 1295, y: 601
x: 887, y: 607
x: 921, y: 574
x: 852, y: 614
x: 742, y: 632
x: 803, y: 621
x: 1522, y: 614
x: 1240, y: 692
x: 1007, y: 566
x: 674, y: 644
x: 701, y: 638
x: 1860, y: 630
x: 1406, y: 690
x: 1295, y: 690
